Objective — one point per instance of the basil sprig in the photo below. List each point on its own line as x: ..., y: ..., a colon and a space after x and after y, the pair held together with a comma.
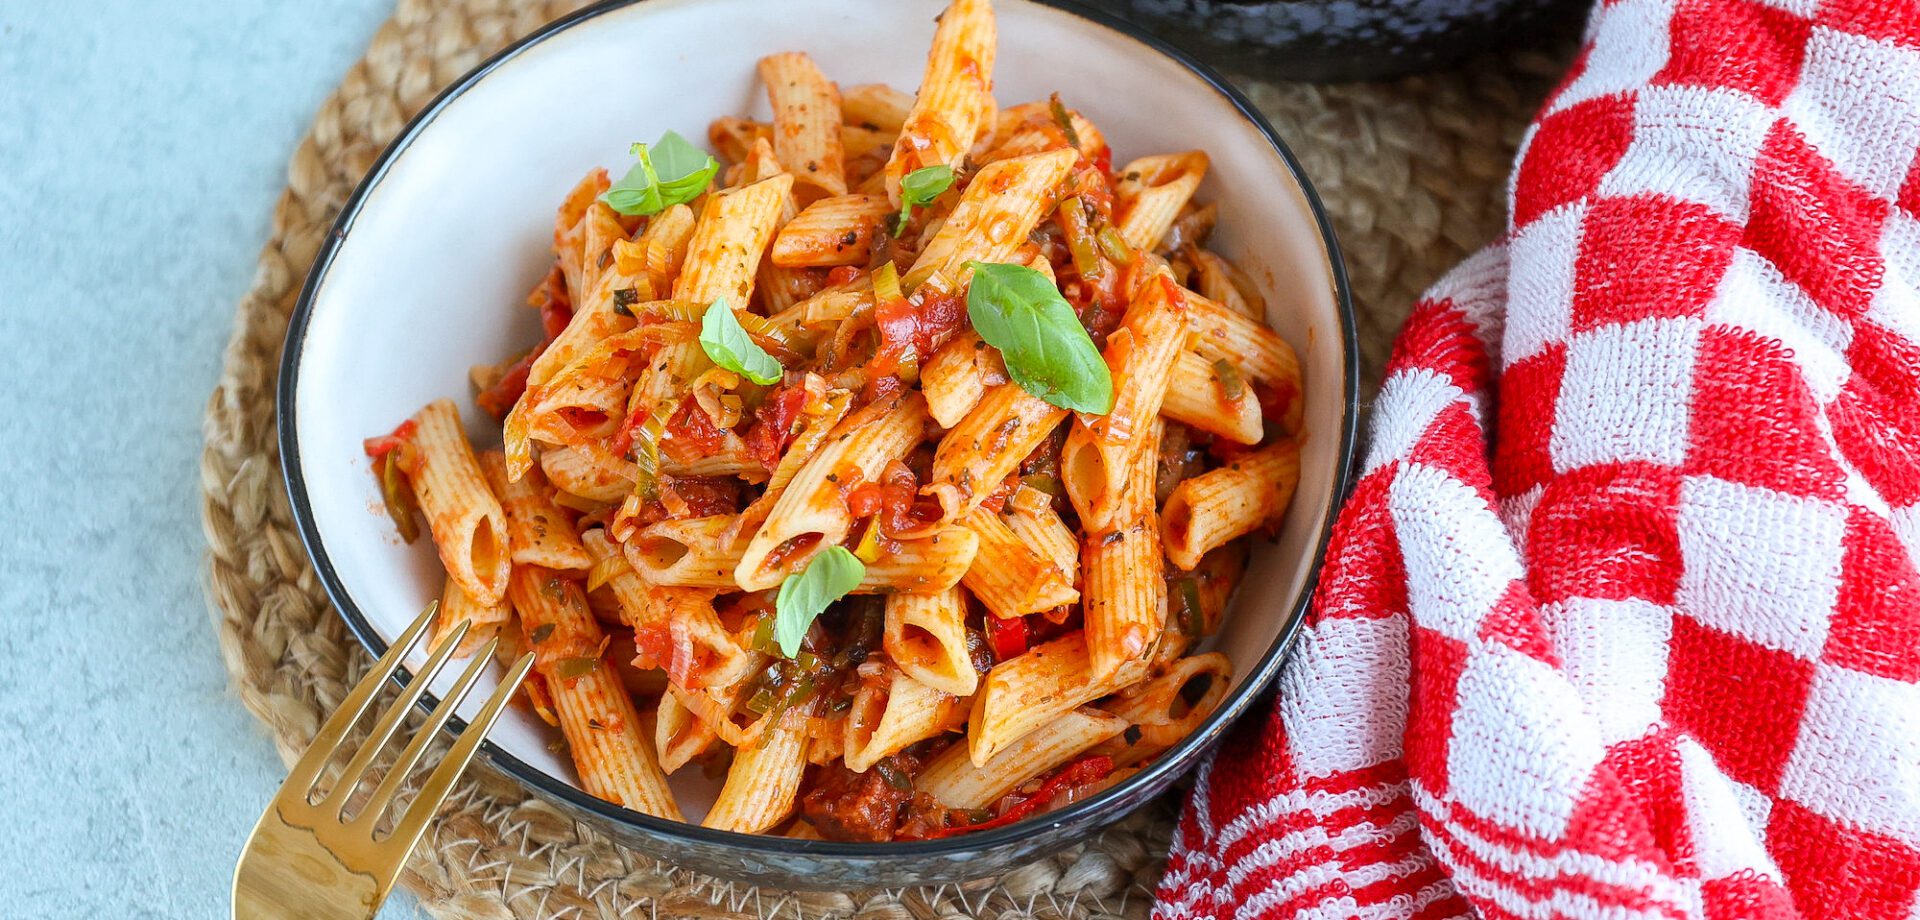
x: 828, y: 577
x: 726, y: 342
x: 1048, y: 353
x: 919, y: 188
x: 671, y: 171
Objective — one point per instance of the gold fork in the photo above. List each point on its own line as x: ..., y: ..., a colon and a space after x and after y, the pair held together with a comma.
x: 307, y: 859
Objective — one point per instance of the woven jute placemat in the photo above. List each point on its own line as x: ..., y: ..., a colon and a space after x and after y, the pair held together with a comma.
x: 1412, y: 172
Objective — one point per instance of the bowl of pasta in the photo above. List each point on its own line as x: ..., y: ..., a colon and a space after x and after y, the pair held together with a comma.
x: 904, y: 434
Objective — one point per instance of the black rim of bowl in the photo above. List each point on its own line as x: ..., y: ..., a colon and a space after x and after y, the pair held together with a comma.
x: 1167, y: 766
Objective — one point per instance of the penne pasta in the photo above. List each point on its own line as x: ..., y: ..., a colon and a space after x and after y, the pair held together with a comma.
x: 536, y: 530
x: 832, y: 231
x: 457, y: 606
x: 954, y: 100
x: 1261, y: 354
x: 762, y: 784
x: 1124, y: 595
x: 985, y: 447
x: 888, y: 716
x: 1103, y: 448
x: 1009, y: 577
x: 595, y: 713
x: 468, y: 525
x: 1034, y: 688
x: 806, y: 123
x: 811, y: 514
x: 927, y: 565
x: 1197, y: 396
x: 1168, y: 707
x: 1002, y: 204
x: 875, y: 106
x: 926, y: 637
x: 1210, y: 509
x: 1150, y: 193
x: 688, y: 552
x: 957, y: 781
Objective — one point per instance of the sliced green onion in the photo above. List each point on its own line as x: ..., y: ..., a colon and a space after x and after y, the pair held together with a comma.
x: 397, y: 494
x: 646, y: 456
x: 1114, y: 245
x: 1080, y: 238
x: 570, y: 668
x: 762, y: 702
x: 1043, y: 483
x: 541, y: 633
x: 1232, y: 386
x: 1065, y: 120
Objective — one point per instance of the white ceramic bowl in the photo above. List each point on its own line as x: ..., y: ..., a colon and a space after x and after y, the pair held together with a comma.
x: 424, y: 272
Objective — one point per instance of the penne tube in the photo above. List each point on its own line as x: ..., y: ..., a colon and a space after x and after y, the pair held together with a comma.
x: 723, y: 257
x: 600, y: 229
x: 806, y: 122
x: 956, y: 781
x: 578, y: 409
x: 678, y: 734
x: 886, y: 717
x: 687, y: 552
x: 958, y: 375
x: 987, y: 446
x: 1168, y: 707
x: 926, y: 637
x: 1009, y: 577
x: 1255, y: 350
x: 811, y: 513
x: 602, y: 729
x: 457, y: 605
x: 832, y: 231
x: 1197, y: 397
x: 779, y: 288
x: 1222, y: 281
x: 1101, y: 449
x: 762, y: 785
x: 927, y: 565
x: 1034, y: 688
x: 866, y: 151
x: 589, y: 471
x: 468, y: 525
x: 1124, y: 596
x: 1030, y: 515
x: 536, y: 530
x: 569, y: 229
x: 1150, y: 193
x: 1029, y: 135
x: 1000, y: 207
x: 955, y: 99
x: 815, y: 423
x: 875, y: 106
x: 1219, y: 505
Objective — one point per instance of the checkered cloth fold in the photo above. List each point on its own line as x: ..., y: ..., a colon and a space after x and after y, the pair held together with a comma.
x: 1622, y: 618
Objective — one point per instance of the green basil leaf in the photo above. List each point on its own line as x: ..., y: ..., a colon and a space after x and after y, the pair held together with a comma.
x: 669, y: 172
x: 727, y: 343
x: 919, y: 188
x: 1048, y: 353
x: 805, y: 595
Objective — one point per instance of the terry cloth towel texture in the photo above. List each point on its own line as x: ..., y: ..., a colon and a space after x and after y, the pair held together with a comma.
x: 1622, y: 618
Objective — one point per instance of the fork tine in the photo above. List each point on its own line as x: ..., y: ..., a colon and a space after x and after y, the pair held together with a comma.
x: 336, y: 800
x: 390, y: 784
x: 407, y: 831
x: 324, y: 743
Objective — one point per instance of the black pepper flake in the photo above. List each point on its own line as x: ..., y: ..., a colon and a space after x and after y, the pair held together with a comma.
x: 624, y: 299
x: 541, y: 633
x: 1112, y: 538
x: 852, y: 237
x: 1132, y: 734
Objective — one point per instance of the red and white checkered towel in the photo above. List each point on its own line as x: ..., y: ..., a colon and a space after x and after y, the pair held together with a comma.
x: 1623, y: 618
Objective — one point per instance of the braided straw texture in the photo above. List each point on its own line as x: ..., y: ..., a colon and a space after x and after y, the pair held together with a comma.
x: 1412, y: 172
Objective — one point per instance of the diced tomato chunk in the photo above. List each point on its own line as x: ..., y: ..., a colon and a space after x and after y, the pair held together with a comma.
x: 386, y: 443
x: 690, y: 434
x: 1007, y: 636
